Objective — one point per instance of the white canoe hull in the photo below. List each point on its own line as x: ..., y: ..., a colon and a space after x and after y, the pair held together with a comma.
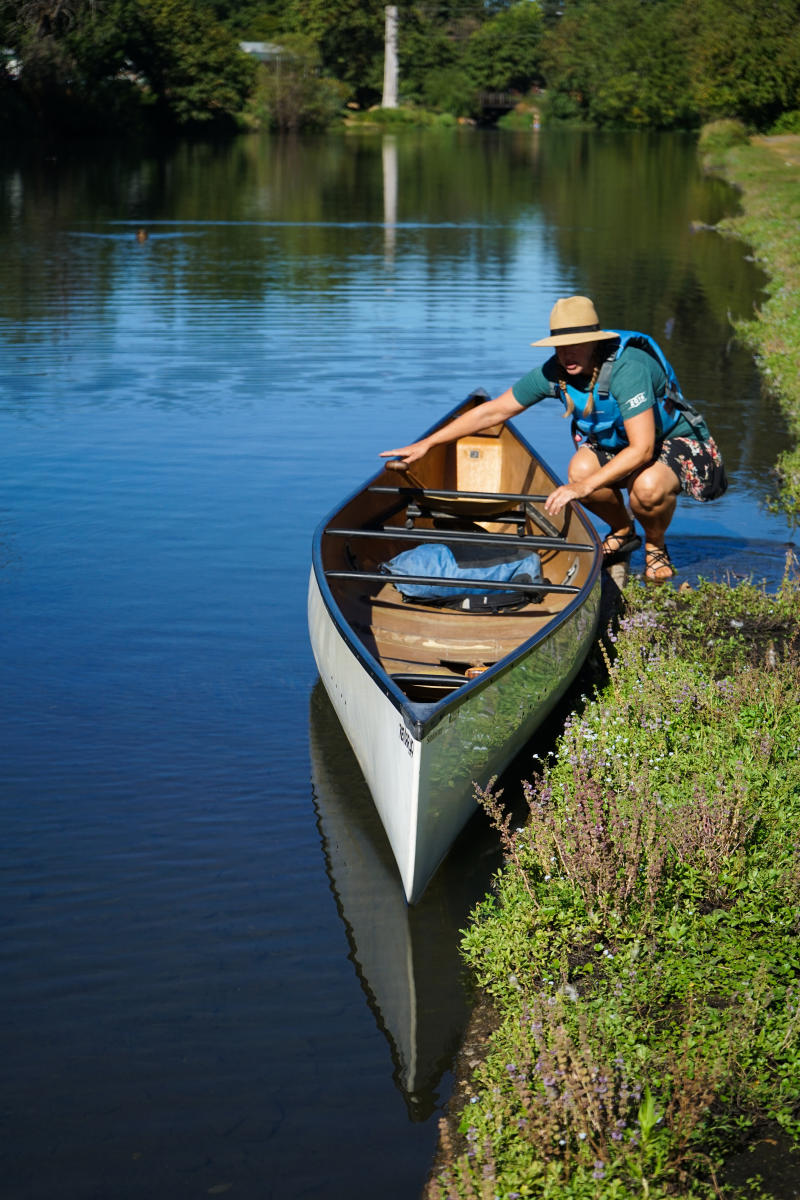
x: 422, y: 778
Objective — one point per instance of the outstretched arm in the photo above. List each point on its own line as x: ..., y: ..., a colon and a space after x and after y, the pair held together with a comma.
x: 482, y: 416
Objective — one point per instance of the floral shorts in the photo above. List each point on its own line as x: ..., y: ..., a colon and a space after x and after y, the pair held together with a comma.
x: 698, y: 465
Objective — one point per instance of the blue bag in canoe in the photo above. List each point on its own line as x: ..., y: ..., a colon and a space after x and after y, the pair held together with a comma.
x: 439, y: 561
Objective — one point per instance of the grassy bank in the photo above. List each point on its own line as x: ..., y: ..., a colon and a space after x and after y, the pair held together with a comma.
x: 640, y: 951
x: 641, y: 948
x: 767, y: 172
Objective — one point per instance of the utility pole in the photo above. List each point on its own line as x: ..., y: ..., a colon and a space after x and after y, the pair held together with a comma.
x: 390, y: 70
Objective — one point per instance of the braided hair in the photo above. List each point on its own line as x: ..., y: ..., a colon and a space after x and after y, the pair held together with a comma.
x: 562, y: 383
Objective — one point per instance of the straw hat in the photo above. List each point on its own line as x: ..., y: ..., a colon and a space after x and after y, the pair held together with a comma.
x: 574, y: 320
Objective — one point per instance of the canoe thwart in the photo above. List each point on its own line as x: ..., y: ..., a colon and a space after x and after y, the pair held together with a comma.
x: 535, y: 541
x: 433, y: 494
x: 480, y: 585
x: 429, y: 497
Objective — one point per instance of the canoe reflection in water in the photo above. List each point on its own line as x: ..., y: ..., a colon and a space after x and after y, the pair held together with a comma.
x: 406, y: 957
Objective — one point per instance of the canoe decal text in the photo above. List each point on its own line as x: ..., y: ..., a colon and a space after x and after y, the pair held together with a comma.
x: 406, y: 739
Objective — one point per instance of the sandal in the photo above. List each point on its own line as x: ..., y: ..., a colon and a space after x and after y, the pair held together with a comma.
x: 656, y: 558
x: 618, y: 546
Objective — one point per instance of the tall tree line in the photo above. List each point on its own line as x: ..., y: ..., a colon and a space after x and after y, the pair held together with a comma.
x: 80, y: 65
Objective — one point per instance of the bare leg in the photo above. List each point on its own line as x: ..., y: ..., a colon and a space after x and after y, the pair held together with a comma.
x: 608, y: 503
x: 654, y: 494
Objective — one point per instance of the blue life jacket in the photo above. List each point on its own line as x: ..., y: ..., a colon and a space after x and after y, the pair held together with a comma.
x: 604, y: 424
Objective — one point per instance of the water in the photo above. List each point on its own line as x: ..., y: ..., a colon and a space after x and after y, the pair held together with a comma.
x: 209, y: 984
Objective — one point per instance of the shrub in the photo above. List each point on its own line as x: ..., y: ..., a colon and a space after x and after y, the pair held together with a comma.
x: 719, y: 136
x: 291, y: 94
x: 789, y: 122
x: 397, y: 118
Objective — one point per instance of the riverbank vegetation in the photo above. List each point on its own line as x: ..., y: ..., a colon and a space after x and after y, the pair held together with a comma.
x: 120, y: 66
x: 641, y: 945
x: 640, y: 950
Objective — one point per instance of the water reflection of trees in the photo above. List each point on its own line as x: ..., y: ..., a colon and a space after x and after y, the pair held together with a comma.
x: 281, y: 220
x: 630, y: 213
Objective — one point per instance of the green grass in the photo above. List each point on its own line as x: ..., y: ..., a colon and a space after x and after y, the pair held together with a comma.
x: 402, y: 117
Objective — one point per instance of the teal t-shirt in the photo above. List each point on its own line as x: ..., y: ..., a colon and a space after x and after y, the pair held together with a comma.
x: 636, y: 379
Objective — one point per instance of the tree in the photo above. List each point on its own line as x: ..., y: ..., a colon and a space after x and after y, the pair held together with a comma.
x: 192, y: 66
x: 91, y: 65
x: 349, y: 34
x: 744, y: 58
x: 249, y: 20
x: 504, y: 53
x: 69, y: 57
x: 432, y: 45
x: 619, y: 63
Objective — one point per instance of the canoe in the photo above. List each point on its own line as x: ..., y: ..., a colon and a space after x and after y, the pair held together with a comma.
x: 435, y: 699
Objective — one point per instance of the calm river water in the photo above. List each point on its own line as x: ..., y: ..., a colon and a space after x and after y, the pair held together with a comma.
x: 210, y: 984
